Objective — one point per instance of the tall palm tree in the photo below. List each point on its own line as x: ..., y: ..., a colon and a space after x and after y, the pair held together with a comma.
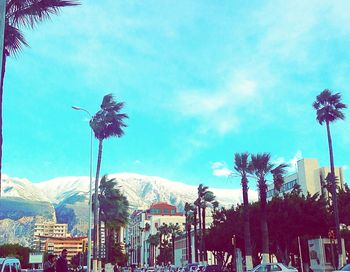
x: 107, y: 122
x: 202, y: 189
x: 23, y: 14
x: 243, y: 167
x: 261, y: 167
x: 189, y: 222
x: 207, y: 199
x: 195, y: 234
x: 329, y: 108
x: 174, y: 229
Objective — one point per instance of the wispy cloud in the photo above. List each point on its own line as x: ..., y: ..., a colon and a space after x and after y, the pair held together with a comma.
x: 292, y: 163
x: 218, y: 110
x: 219, y: 169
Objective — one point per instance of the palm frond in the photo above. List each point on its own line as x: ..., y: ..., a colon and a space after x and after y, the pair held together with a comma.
x: 31, y: 12
x: 13, y: 40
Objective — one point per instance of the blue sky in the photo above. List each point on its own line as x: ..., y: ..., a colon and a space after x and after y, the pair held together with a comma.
x: 201, y: 80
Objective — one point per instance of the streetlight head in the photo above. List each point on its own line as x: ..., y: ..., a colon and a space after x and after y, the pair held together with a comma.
x: 76, y: 108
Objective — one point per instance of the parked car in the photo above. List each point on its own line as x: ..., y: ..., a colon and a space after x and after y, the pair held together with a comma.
x: 273, y: 267
x: 213, y: 268
x: 344, y: 268
x: 10, y: 265
x: 191, y: 267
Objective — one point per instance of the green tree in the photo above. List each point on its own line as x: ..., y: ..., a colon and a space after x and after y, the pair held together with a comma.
x: 243, y: 167
x: 114, y: 211
x: 23, y: 14
x: 174, y: 229
x: 107, y: 122
x: 329, y: 108
x: 17, y: 251
x: 262, y: 166
x: 344, y: 205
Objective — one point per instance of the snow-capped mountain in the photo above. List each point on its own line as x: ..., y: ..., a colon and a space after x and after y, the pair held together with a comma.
x: 65, y: 199
x: 140, y: 190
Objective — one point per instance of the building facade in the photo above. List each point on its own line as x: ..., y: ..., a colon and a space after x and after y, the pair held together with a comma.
x: 144, y: 224
x: 310, y: 177
x: 44, y: 230
x: 74, y: 245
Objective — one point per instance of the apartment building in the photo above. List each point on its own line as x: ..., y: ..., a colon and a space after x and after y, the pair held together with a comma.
x: 42, y: 231
x: 74, y: 245
x: 310, y: 177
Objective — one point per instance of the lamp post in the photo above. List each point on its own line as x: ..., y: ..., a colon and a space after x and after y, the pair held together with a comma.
x: 90, y: 194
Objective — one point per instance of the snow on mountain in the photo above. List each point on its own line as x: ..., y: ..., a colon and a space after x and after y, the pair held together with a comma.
x: 22, y: 188
x: 140, y: 190
x: 58, y: 189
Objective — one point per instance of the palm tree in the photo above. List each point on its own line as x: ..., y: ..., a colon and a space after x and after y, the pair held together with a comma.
x: 188, y: 216
x: 195, y: 234
x: 153, y: 241
x: 174, y: 229
x: 243, y: 167
x: 114, y: 213
x: 329, y: 108
x: 208, y: 198
x: 278, y: 174
x: 23, y: 14
x: 107, y: 122
x: 202, y: 189
x: 261, y: 167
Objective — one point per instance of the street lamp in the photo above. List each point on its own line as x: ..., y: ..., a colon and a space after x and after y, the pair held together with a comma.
x: 90, y: 195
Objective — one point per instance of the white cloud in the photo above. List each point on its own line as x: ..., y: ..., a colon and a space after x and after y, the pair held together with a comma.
x: 216, y: 165
x: 223, y: 172
x: 292, y: 163
x: 220, y: 169
x: 217, y: 110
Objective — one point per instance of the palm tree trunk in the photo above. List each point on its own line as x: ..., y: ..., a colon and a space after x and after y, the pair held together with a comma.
x: 189, y: 240
x: 1, y: 96
x: 173, y: 245
x: 195, y: 238
x: 264, y: 227
x: 200, y: 232
x: 96, y: 204
x: 247, y: 242
x: 334, y: 196
x: 204, y: 252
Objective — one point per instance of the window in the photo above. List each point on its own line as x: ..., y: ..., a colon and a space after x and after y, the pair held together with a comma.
x: 7, y: 268
x: 166, y: 211
x: 275, y: 267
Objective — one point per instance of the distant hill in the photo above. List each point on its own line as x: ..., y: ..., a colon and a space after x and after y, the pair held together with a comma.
x: 66, y: 199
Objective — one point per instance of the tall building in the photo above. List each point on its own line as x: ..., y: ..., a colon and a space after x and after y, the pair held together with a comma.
x: 310, y: 177
x: 142, y: 225
x: 43, y: 230
x: 74, y: 245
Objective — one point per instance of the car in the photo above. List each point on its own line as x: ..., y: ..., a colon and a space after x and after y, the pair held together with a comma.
x: 273, y: 267
x: 191, y: 267
x: 212, y: 268
x: 10, y: 265
x: 344, y: 268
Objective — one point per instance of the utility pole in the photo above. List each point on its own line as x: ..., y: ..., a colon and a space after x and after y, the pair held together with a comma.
x: 2, y: 31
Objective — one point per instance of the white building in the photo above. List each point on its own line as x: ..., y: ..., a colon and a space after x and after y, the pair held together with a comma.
x: 142, y: 225
x: 310, y: 177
